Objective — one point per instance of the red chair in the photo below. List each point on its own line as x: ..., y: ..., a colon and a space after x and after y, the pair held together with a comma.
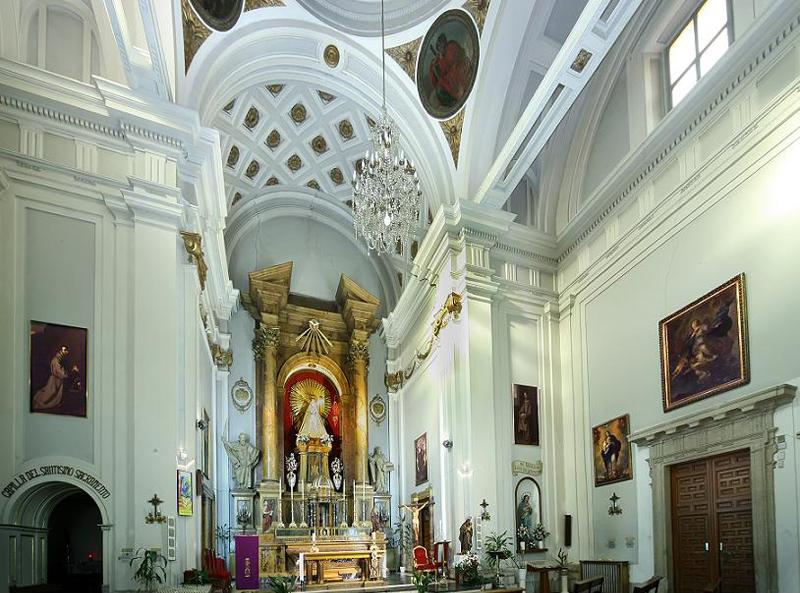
x: 422, y: 560
x: 217, y: 572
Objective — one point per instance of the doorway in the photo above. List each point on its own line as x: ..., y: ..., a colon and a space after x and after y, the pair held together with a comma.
x: 712, y: 524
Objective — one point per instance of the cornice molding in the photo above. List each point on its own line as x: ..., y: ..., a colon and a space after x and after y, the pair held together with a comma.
x: 746, y: 59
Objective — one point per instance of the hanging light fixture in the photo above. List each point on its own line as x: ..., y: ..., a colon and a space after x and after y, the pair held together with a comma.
x: 386, y: 188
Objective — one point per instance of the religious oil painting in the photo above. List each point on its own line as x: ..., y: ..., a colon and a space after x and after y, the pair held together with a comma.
x: 185, y: 494
x: 526, y: 415
x: 528, y: 513
x: 448, y: 64
x: 421, y: 458
x: 220, y: 15
x: 704, y: 346
x: 612, y: 451
x: 58, y: 369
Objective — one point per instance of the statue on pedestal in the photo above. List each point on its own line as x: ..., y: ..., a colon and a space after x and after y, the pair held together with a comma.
x: 465, y: 536
x: 244, y: 458
x: 379, y: 468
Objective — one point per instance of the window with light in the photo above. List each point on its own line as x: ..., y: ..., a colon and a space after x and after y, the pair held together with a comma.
x: 697, y: 47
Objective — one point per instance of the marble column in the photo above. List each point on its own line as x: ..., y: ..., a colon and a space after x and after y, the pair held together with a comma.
x: 358, y: 358
x: 265, y: 349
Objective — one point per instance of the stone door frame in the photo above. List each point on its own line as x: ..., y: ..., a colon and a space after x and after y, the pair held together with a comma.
x: 745, y: 423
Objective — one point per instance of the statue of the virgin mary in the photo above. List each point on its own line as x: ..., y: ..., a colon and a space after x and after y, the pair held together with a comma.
x: 311, y: 404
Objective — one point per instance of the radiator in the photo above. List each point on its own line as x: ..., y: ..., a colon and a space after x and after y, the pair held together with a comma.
x: 614, y: 573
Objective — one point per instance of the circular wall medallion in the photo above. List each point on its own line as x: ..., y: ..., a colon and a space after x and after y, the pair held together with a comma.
x: 331, y: 56
x: 233, y: 156
x: 313, y: 184
x: 242, y: 395
x: 272, y: 181
x: 377, y: 409
x: 448, y: 63
x: 252, y: 169
x: 319, y: 144
x: 337, y: 176
x: 251, y: 119
x: 220, y: 15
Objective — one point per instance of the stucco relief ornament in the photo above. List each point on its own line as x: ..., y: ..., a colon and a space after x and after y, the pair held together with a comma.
x: 377, y: 409
x: 358, y: 351
x: 266, y: 337
x: 242, y: 395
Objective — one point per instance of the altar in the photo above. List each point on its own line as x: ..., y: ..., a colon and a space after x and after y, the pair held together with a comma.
x: 320, y: 509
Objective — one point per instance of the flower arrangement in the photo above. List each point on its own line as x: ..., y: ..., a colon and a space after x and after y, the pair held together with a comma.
x: 468, y: 569
x: 539, y: 533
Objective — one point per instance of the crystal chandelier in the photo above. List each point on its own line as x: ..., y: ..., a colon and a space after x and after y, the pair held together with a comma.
x: 386, y: 188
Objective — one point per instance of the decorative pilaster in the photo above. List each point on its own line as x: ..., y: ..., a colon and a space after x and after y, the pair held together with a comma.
x: 358, y: 360
x: 265, y: 350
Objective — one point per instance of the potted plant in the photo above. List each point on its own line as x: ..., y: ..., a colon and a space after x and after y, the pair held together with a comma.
x: 403, y: 539
x: 152, y: 568
x: 539, y: 534
x: 498, y: 549
x: 468, y: 570
x: 282, y: 584
x: 223, y: 533
x: 422, y: 580
x: 563, y: 569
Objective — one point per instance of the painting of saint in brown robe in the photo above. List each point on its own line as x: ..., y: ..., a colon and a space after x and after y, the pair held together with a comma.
x: 58, y: 369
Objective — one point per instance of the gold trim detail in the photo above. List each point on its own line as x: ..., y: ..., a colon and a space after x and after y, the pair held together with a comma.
x: 193, y: 243
x: 451, y: 309
x: 265, y: 337
x: 222, y: 358
x: 581, y: 60
x: 452, y: 131
x: 194, y: 34
x: 253, y: 4
x: 275, y: 89
x: 359, y: 350
x: 331, y: 55
x: 478, y: 9
x: 406, y: 56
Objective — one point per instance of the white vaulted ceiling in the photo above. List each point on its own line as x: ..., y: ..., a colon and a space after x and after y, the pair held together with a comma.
x: 290, y: 134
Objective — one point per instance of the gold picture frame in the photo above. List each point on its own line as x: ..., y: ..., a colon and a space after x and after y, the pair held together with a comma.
x: 704, y: 346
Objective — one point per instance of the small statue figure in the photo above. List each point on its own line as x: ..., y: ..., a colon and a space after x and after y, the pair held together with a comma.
x: 379, y: 468
x: 465, y: 536
x: 376, y: 519
x: 244, y: 458
x: 266, y: 517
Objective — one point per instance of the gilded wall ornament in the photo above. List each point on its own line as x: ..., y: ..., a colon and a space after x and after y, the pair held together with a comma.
x: 337, y: 176
x: 229, y: 106
x: 319, y: 144
x: 275, y: 89
x: 195, y: 33
x: 393, y: 381
x: 581, y: 60
x: 326, y: 97
x: 406, y: 56
x: 452, y: 132
x: 331, y: 55
x: 346, y: 129
x: 272, y: 181
x: 252, y: 169
x: 233, y: 156
x: 236, y: 197
x: 222, y: 358
x: 273, y: 139
x: 193, y: 243
x: 265, y: 337
x: 313, y: 339
x: 377, y: 409
x: 251, y: 119
x: 253, y: 4
x: 313, y: 184
x: 359, y: 351
x: 220, y: 15
x: 242, y: 395
x: 294, y: 163
x: 298, y: 113
x: 478, y: 9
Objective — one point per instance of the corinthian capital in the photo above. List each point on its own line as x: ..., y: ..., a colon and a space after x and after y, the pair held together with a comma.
x: 359, y: 351
x: 266, y: 337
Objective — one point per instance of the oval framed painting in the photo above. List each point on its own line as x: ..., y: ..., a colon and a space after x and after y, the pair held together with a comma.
x: 448, y: 63
x: 219, y: 15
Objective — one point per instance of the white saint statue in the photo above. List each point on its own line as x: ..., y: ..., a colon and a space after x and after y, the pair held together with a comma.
x: 313, y: 425
x: 311, y: 405
x: 379, y: 468
x: 244, y: 458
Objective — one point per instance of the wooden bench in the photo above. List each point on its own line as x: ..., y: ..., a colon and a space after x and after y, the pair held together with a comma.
x: 650, y: 586
x: 590, y: 585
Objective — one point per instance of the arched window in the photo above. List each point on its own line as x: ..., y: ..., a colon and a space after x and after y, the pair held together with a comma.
x: 62, y: 37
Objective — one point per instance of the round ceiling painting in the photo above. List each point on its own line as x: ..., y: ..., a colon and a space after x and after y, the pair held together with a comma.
x: 220, y: 15
x: 448, y: 63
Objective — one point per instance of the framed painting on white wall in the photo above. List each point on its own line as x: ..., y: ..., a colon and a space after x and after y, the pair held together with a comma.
x: 421, y: 458
x: 612, y: 451
x: 58, y: 369
x: 526, y: 415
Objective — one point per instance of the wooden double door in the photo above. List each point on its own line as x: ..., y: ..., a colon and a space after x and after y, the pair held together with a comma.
x: 712, y: 524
